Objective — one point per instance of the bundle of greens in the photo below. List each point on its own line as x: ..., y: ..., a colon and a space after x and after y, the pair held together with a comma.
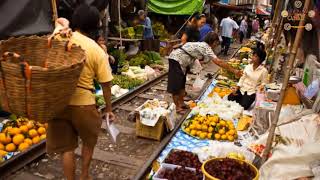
x: 160, y: 31
x: 146, y: 58
x: 154, y: 57
x: 126, y: 82
x: 100, y: 100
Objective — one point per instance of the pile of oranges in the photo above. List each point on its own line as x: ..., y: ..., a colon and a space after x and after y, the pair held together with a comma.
x: 211, y: 127
x: 21, y: 134
x: 221, y: 91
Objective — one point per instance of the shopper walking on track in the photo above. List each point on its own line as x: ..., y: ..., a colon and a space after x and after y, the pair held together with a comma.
x: 227, y: 26
x: 243, y: 29
x: 185, y: 56
x: 81, y: 118
x: 255, y: 25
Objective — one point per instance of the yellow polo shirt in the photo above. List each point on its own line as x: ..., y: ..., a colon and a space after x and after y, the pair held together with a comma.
x: 96, y: 67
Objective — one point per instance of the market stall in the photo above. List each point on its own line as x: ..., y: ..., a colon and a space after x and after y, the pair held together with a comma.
x: 218, y: 131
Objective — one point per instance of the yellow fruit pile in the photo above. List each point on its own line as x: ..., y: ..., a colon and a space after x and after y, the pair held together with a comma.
x: 221, y: 91
x: 211, y: 127
x: 21, y: 136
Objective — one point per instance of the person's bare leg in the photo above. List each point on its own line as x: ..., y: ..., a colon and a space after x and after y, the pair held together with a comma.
x: 181, y: 98
x: 69, y: 166
x: 87, y: 153
x: 176, y: 101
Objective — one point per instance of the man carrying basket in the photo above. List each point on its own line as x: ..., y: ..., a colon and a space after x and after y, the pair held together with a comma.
x: 81, y: 118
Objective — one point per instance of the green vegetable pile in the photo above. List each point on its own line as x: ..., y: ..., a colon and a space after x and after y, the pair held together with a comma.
x: 160, y: 31
x: 100, y: 100
x: 146, y: 58
x: 126, y: 82
x: 119, y: 55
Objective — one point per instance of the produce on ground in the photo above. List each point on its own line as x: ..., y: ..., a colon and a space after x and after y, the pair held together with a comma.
x: 221, y: 91
x: 126, y: 82
x: 216, y: 105
x: 229, y: 169
x: 245, y: 49
x: 100, y: 100
x: 183, y: 158
x: 235, y: 155
x: 20, y: 134
x: 227, y: 83
x: 210, y: 127
x: 244, y: 123
x: 181, y: 173
x: 146, y: 58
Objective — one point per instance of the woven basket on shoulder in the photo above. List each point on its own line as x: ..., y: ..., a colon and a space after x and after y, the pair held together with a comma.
x: 37, y: 80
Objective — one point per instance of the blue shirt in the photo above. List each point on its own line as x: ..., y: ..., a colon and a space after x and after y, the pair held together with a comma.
x: 204, y: 31
x: 147, y: 33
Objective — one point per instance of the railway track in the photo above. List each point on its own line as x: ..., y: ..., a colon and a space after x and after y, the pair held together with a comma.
x: 128, y: 155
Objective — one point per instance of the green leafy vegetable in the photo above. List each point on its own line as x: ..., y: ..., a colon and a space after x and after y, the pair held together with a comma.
x: 126, y: 82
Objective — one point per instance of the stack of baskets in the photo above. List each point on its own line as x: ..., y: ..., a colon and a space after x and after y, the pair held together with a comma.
x: 37, y: 81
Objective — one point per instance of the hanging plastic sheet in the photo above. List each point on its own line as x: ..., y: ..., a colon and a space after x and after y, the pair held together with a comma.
x: 25, y: 17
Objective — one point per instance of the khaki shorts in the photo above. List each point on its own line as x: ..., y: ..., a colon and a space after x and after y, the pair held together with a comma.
x: 75, y: 121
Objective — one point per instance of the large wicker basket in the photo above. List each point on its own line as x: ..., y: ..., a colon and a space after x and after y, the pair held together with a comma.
x: 37, y: 80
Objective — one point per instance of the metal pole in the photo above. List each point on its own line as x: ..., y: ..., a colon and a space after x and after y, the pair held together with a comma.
x: 119, y: 13
x: 292, y: 57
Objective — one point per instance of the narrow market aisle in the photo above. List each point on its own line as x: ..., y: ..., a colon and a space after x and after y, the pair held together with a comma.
x: 124, y: 159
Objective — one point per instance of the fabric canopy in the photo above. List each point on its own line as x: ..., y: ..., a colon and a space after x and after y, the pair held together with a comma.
x: 175, y: 7
x: 25, y: 17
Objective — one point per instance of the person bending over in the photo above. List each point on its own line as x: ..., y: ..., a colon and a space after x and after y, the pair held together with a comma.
x: 181, y: 58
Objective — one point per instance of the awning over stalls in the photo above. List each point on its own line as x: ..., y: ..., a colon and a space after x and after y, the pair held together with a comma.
x: 25, y: 18
x: 175, y: 7
x: 261, y: 11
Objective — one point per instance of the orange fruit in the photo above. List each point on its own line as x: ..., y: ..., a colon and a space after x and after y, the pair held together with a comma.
x: 224, y: 137
x: 1, y: 146
x: 3, y: 153
x: 193, y: 132
x: 203, y: 135
x: 204, y: 128
x: 217, y: 136
x: 43, y: 136
x: 7, y: 129
x: 30, y: 124
x: 28, y: 140
x: 14, y: 131
x: 41, y: 130
x: 23, y: 146
x: 230, y: 138
x: 33, y: 133
x: 5, y: 138
x: 232, y: 132
x: 11, y: 147
x: 222, y: 131
x: 18, y: 139
x: 210, y: 129
x: 36, y: 140
x: 24, y: 128
x: 209, y: 136
x: 222, y: 123
x: 46, y: 125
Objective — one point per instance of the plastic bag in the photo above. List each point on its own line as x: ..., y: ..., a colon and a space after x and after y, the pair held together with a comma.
x: 151, y: 73
x: 198, y: 84
x: 312, y: 89
x: 196, y: 67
